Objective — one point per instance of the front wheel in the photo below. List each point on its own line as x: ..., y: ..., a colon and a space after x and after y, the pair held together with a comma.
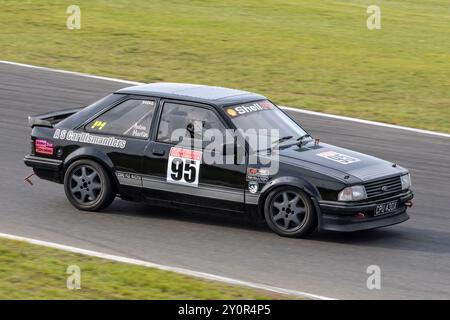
x: 288, y: 212
x: 88, y: 186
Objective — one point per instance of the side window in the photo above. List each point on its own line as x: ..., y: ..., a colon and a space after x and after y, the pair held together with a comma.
x: 131, y: 118
x: 186, y: 121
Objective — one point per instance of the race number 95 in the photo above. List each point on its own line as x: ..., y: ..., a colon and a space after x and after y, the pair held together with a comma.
x: 183, y: 166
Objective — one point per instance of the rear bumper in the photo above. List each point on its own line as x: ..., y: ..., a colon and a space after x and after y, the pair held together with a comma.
x: 42, y: 163
x: 45, y: 168
x: 346, y: 217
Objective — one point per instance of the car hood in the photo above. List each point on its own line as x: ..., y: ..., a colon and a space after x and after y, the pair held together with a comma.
x: 339, y: 162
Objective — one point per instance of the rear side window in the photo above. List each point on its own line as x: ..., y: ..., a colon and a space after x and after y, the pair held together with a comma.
x: 131, y: 118
x: 183, y: 117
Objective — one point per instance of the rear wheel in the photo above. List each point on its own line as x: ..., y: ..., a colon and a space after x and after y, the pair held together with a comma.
x: 88, y: 186
x: 288, y: 212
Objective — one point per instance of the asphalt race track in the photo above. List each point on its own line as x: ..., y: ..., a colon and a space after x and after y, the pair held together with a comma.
x: 414, y: 257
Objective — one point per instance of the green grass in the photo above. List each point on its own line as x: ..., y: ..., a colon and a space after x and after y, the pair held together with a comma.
x: 313, y: 54
x: 34, y: 272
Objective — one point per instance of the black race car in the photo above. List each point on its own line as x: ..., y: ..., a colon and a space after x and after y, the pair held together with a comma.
x: 148, y: 143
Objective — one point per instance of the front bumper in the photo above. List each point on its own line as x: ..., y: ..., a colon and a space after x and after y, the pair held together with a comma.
x: 346, y: 217
x: 45, y: 168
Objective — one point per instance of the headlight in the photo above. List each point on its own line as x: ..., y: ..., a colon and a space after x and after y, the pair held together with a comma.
x: 406, y: 181
x: 354, y: 193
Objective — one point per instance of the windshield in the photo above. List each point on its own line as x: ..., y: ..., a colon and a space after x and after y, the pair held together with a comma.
x: 262, y: 115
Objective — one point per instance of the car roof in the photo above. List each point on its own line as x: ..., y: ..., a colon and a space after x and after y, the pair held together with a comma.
x: 218, y: 96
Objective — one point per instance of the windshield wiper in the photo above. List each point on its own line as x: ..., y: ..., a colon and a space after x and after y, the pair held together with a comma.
x: 300, y: 139
x: 277, y: 142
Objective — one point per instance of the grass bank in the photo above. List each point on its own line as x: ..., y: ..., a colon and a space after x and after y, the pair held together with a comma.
x: 317, y: 55
x: 34, y: 272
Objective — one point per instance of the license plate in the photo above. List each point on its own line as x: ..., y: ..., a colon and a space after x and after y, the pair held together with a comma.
x: 384, y: 208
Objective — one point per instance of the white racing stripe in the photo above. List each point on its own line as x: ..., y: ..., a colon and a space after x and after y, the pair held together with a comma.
x: 197, y: 274
x: 319, y: 114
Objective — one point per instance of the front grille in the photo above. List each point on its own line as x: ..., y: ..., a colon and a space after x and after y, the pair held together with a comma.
x: 383, y: 187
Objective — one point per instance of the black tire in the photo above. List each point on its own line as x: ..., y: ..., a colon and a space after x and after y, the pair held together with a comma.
x: 88, y: 186
x: 288, y: 212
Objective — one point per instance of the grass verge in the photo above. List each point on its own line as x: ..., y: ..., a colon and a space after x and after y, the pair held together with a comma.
x: 34, y: 272
x: 310, y: 54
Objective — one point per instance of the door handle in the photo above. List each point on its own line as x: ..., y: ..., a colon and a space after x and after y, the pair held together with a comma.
x: 158, y: 152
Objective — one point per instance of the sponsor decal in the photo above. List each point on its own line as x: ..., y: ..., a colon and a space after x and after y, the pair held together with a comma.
x: 338, y: 157
x: 253, y: 187
x: 183, y: 166
x: 258, y: 175
x: 98, y: 125
x: 43, y: 146
x: 84, y: 137
x: 129, y: 179
x: 231, y: 112
x: 139, y: 131
x: 236, y: 111
x: 126, y: 175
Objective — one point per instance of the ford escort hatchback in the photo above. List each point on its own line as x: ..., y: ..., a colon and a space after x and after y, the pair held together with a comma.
x: 123, y: 145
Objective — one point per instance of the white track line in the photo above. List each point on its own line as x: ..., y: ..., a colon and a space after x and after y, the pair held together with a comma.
x: 85, y: 75
x: 147, y: 264
x: 373, y: 123
x: 319, y: 114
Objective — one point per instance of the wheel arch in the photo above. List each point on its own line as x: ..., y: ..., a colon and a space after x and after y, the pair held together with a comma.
x: 92, y: 154
x: 287, y: 181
